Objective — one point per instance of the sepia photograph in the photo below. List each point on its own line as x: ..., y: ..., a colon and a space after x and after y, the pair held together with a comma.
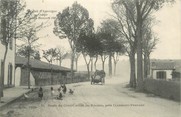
x: 90, y: 58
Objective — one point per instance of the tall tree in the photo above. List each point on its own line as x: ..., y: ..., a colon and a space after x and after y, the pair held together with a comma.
x: 50, y: 55
x: 13, y: 18
x: 127, y: 31
x: 69, y: 23
x: 103, y: 36
x: 8, y: 12
x: 86, y: 45
x: 118, y: 49
x: 29, y: 39
x: 116, y: 59
x: 138, y: 11
x: 77, y: 55
x: 95, y: 61
x: 27, y: 35
x: 149, y: 43
x: 111, y: 40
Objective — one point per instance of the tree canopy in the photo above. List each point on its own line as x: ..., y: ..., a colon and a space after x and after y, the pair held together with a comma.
x: 71, y: 22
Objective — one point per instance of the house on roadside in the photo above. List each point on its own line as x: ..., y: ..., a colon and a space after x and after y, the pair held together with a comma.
x: 165, y: 69
x: 7, y: 73
x: 41, y: 73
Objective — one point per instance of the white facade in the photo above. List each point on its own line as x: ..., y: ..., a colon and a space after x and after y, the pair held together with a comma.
x: 9, y: 70
x: 168, y: 74
x: 18, y: 77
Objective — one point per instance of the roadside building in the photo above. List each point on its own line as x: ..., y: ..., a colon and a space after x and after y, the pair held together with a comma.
x: 7, y: 73
x: 165, y: 69
x: 41, y: 73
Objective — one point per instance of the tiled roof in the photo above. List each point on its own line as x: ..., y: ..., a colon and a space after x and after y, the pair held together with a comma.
x: 163, y: 65
x: 36, y: 64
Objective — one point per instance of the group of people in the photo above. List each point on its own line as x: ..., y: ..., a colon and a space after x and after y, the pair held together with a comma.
x: 61, y: 89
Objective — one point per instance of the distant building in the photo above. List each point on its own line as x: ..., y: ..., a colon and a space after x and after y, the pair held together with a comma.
x: 165, y: 69
x: 8, y: 72
x: 41, y: 73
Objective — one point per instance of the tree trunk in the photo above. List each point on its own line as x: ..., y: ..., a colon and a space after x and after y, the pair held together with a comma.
x: 115, y: 58
x: 28, y: 70
x: 103, y: 65
x: 4, y: 61
x: 76, y: 64
x: 110, y: 65
x: 103, y: 61
x: 95, y: 62
x: 87, y: 64
x: 139, y: 55
x: 148, y: 67
x: 51, y: 75
x: 145, y: 66
x: 132, y: 71
x: 115, y: 63
x: 88, y: 70
x: 91, y: 65
x: 2, y: 74
x: 60, y: 62
x: 72, y: 64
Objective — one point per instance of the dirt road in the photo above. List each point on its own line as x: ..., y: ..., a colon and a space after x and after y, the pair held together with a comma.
x: 109, y: 100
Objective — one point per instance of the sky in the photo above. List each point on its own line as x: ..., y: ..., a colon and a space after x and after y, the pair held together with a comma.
x: 168, y: 28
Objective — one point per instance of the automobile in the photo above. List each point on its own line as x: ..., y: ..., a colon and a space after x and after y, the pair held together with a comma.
x: 98, y: 77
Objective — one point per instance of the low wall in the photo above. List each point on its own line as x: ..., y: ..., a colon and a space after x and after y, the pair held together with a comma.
x: 78, y: 77
x: 44, y: 78
x: 163, y: 88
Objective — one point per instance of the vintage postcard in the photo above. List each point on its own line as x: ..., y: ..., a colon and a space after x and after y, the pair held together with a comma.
x: 90, y: 58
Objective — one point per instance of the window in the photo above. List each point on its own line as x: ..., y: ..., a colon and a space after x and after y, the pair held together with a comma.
x: 2, y: 72
x: 161, y: 75
x: 11, y: 43
x: 10, y: 73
